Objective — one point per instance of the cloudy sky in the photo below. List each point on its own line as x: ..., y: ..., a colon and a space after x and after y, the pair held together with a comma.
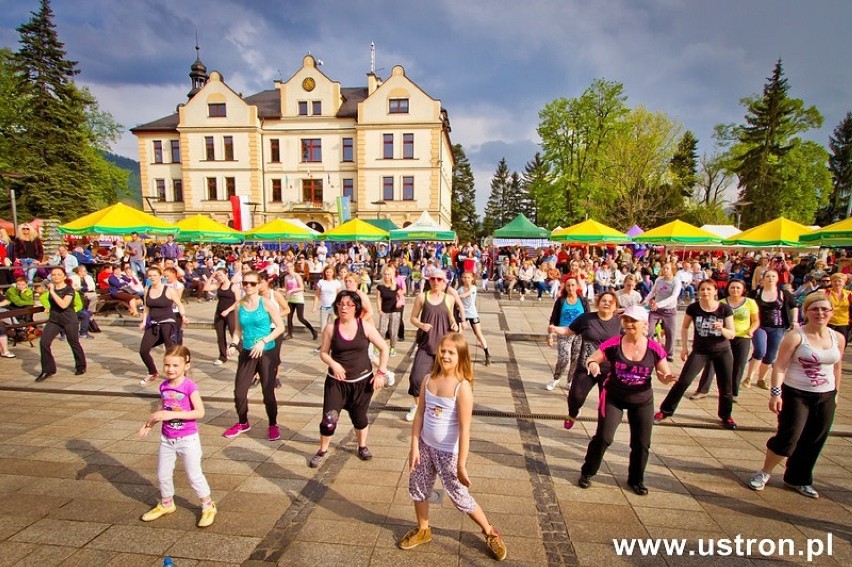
x: 494, y: 64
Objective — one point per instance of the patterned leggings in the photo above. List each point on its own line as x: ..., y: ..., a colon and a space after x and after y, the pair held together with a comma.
x: 439, y: 463
x: 567, y: 354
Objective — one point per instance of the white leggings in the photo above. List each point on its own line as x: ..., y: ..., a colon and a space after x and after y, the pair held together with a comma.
x: 189, y: 448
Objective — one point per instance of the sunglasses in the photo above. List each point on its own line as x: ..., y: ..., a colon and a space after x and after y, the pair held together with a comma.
x: 252, y: 284
x: 436, y: 279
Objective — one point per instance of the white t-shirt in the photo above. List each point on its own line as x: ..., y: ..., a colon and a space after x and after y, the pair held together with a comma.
x: 328, y: 291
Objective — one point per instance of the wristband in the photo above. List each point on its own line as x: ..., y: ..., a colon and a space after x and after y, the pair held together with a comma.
x: 775, y: 391
x: 381, y: 373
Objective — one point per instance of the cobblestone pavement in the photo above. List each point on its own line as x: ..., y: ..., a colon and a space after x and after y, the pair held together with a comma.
x: 74, y: 480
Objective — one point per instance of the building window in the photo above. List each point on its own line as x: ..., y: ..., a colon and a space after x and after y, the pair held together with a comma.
x: 349, y: 189
x: 303, y: 108
x: 408, y: 146
x: 276, y: 191
x: 212, y: 189
x: 312, y: 191
x: 231, y: 186
x: 177, y: 187
x: 161, y: 189
x: 316, y: 108
x: 210, y: 149
x: 408, y: 188
x: 398, y: 106
x: 229, y: 148
x: 175, y: 151
x: 311, y: 150
x: 387, y: 188
x: 275, y: 150
x: 348, y: 149
x: 387, y: 146
x: 216, y: 110
x: 158, y: 151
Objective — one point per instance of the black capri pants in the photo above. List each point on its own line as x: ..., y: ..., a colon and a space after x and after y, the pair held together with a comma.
x: 803, y: 426
x: 354, y: 397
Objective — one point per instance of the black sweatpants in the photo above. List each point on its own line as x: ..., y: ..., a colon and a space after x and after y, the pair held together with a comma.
x: 72, y: 334
x: 640, y: 417
x: 224, y: 327
x: 266, y: 369
x: 157, y: 334
x: 354, y: 397
x: 740, y: 349
x: 581, y: 385
x: 803, y: 426
x: 722, y: 362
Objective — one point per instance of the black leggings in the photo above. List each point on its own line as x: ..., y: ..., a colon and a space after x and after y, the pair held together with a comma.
x: 265, y: 368
x: 223, y: 324
x: 72, y: 330
x: 739, y: 348
x: 581, y: 385
x: 157, y: 334
x: 722, y: 361
x: 803, y: 426
x: 640, y: 417
x: 298, y: 309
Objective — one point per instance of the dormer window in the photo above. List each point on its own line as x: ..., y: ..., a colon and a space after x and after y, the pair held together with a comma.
x: 398, y: 106
x: 216, y: 110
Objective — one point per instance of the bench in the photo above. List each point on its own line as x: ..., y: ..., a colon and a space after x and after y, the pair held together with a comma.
x: 108, y: 303
x: 24, y: 316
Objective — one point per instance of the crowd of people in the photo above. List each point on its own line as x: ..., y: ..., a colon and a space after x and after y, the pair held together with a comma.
x: 613, y: 322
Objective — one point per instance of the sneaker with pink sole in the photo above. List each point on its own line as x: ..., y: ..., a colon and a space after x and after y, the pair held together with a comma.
x: 236, y: 429
x: 274, y: 433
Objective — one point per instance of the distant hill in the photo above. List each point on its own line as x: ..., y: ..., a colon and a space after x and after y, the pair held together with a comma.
x: 134, y: 184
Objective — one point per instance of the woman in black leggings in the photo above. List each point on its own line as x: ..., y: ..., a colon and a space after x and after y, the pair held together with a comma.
x: 224, y: 318
x: 159, y: 324
x: 294, y: 288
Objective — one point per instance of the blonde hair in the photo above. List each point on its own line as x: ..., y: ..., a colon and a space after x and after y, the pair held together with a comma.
x: 32, y: 235
x: 464, y: 369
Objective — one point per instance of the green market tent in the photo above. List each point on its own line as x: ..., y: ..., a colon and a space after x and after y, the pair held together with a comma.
x: 589, y: 232
x: 521, y: 227
x: 385, y: 224
x: 677, y: 232
x: 279, y: 229
x: 838, y: 234
x: 201, y: 228
x: 424, y: 229
x: 118, y: 219
x: 355, y: 230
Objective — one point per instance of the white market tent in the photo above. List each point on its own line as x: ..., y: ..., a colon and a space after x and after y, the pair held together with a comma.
x: 723, y: 230
x: 423, y: 229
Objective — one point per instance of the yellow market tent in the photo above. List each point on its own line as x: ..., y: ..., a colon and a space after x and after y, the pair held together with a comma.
x: 118, y: 219
x: 355, y: 230
x: 589, y: 232
x: 837, y: 234
x: 280, y: 229
x: 677, y: 232
x: 778, y: 232
x: 201, y: 228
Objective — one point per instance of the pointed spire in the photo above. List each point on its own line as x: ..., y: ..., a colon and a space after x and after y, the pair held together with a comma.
x: 198, y: 71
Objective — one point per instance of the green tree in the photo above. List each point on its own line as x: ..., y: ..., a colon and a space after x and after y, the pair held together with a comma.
x: 496, y: 214
x: 806, y: 180
x: 464, y: 219
x: 713, y: 179
x: 574, y: 136
x: 684, y: 165
x: 637, y: 176
x: 760, y: 150
x: 518, y: 199
x: 10, y: 109
x: 60, y: 130
x: 536, y: 182
x: 840, y: 166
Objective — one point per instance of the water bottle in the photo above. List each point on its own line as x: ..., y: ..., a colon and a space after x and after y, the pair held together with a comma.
x: 329, y: 420
x: 167, y: 562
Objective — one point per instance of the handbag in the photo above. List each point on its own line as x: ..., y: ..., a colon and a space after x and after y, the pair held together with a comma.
x: 94, y: 327
x: 400, y: 301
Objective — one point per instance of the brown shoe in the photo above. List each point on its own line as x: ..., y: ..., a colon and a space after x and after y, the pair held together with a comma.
x: 496, y: 545
x: 416, y: 537
x: 763, y: 384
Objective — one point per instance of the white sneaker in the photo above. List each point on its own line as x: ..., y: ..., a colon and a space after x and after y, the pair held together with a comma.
x: 552, y: 384
x: 390, y: 378
x: 411, y: 413
x: 218, y: 362
x: 758, y: 481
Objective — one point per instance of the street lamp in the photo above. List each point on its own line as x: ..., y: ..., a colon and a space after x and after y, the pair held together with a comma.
x: 738, y: 209
x: 12, y: 204
x: 150, y: 201
x: 379, y: 204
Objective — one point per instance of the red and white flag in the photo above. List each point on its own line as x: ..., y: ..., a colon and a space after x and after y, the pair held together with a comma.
x: 240, y: 210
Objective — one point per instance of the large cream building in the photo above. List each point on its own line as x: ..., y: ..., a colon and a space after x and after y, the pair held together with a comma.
x: 294, y: 149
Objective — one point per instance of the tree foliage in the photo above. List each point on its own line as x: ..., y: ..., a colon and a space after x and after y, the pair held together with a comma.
x: 496, y: 210
x: 684, y: 165
x: 840, y: 167
x: 713, y: 179
x: 574, y: 135
x: 59, y: 132
x: 465, y: 220
x: 537, y: 183
x: 774, y: 166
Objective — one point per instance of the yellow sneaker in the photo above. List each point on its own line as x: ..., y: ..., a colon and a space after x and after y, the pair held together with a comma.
x: 158, y: 511
x: 207, y: 516
x: 415, y: 537
x: 496, y: 545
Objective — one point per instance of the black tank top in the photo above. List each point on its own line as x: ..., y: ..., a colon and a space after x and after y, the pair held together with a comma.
x: 225, y: 298
x: 351, y: 355
x: 159, y: 308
